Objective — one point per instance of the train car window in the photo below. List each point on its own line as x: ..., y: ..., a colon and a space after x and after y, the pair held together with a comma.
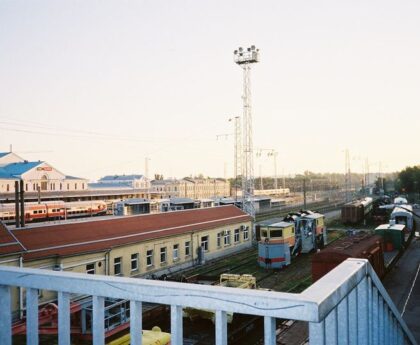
x: 263, y: 233
x: 276, y: 233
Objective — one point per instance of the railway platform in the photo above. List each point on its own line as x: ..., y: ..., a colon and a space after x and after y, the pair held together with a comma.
x: 403, y: 286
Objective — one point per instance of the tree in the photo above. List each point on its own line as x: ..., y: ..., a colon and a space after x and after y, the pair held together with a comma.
x: 408, y: 180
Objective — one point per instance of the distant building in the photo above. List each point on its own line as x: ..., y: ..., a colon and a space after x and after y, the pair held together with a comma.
x: 193, y: 188
x: 35, y: 175
x: 200, y: 188
x: 139, y: 183
x: 165, y: 189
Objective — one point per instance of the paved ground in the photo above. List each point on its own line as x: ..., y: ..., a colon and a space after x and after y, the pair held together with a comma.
x: 403, y: 285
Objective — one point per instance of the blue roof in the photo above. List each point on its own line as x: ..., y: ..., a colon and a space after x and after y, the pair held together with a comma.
x: 2, y: 154
x: 120, y: 177
x: 14, y: 170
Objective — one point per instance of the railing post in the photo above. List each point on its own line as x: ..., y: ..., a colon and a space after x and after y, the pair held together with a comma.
x: 370, y: 309
x: 331, y: 327
x: 32, y: 317
x: 352, y: 309
x: 221, y: 327
x: 343, y: 322
x: 386, y: 326
x: 381, y: 320
x: 375, y: 316
x: 98, y: 322
x: 317, y: 333
x: 136, y: 312
x: 362, y: 312
x: 269, y: 330
x: 5, y: 316
x: 176, y: 325
x: 63, y: 318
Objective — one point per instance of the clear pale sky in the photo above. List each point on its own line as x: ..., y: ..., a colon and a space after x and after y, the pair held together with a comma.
x: 94, y: 87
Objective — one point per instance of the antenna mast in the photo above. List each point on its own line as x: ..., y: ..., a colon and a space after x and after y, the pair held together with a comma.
x: 244, y: 58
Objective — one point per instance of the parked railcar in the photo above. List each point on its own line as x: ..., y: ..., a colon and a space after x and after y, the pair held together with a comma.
x: 361, y: 245
x: 403, y: 214
x: 50, y: 210
x: 356, y: 211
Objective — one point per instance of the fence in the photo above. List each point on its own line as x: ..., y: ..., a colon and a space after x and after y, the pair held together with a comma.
x: 347, y: 306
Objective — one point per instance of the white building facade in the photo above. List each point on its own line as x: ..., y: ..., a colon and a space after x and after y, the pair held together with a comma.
x: 36, y: 176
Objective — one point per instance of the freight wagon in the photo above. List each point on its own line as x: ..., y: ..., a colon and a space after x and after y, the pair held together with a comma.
x: 361, y: 245
x: 356, y: 211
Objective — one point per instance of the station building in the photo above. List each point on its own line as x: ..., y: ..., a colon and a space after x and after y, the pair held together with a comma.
x: 133, y: 246
x: 36, y: 176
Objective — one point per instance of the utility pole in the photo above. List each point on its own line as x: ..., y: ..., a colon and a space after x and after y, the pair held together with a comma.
x: 237, y: 152
x: 274, y: 153
x: 245, y: 58
x: 304, y: 193
x: 347, y: 177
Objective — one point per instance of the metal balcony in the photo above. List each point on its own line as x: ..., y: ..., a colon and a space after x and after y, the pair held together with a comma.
x: 347, y: 306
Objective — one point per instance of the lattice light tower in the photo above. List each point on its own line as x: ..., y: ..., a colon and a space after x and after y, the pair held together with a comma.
x: 245, y: 58
x: 237, y: 152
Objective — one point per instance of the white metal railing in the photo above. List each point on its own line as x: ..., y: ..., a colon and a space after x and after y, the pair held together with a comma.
x: 347, y: 306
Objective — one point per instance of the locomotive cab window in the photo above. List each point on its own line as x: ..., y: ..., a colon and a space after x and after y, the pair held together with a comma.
x: 276, y: 233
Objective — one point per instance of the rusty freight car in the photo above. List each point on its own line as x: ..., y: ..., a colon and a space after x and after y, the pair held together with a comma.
x: 361, y: 245
x: 356, y: 211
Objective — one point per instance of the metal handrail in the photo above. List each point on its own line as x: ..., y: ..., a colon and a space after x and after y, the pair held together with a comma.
x: 322, y: 304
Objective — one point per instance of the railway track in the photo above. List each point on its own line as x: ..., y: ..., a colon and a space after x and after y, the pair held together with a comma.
x: 322, y: 207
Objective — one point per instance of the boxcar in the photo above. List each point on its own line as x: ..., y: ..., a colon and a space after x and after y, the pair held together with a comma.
x: 362, y: 245
x: 356, y: 211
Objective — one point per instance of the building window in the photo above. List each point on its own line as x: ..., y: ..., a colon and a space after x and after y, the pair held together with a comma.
x: 236, y: 236
x: 134, y: 262
x: 176, y: 252
x: 227, y: 237
x: 61, y: 186
x: 83, y: 186
x: 205, y: 243
x: 26, y: 187
x: 7, y: 187
x: 44, y: 182
x: 75, y: 186
x: 68, y: 186
x: 163, y: 255
x: 90, y: 268
x: 246, y: 233
x: 187, y: 248
x: 149, y: 258
x: 117, y: 266
x: 219, y: 239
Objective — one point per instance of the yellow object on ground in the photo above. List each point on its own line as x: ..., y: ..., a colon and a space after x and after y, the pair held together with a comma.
x: 153, y: 337
x: 244, y: 281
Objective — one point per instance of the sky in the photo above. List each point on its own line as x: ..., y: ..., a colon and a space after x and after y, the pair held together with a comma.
x: 95, y: 87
